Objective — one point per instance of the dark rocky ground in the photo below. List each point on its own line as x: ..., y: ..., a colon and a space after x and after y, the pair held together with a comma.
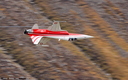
x: 102, y: 58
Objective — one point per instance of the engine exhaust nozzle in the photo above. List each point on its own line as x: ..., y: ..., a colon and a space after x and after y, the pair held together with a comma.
x: 25, y: 32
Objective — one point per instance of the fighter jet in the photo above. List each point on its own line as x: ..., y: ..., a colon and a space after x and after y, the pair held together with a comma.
x: 42, y: 36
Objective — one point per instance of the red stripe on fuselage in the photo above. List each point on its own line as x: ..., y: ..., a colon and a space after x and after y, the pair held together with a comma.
x: 70, y: 34
x: 45, y: 31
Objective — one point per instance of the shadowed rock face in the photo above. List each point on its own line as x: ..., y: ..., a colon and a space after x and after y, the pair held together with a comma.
x: 10, y: 69
x: 101, y: 58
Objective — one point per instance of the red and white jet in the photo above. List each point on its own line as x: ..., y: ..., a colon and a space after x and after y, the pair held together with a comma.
x: 42, y: 36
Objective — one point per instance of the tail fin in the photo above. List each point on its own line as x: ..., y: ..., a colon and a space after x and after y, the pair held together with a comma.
x: 35, y: 26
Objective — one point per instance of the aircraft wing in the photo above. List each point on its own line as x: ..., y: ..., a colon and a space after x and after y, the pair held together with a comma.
x: 59, y: 37
x: 55, y: 26
x: 44, y: 41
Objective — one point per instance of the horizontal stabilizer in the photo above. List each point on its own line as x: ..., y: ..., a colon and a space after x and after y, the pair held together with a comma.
x: 35, y: 39
x: 40, y: 40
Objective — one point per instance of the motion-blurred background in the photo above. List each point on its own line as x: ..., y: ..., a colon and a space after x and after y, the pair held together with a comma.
x: 104, y: 57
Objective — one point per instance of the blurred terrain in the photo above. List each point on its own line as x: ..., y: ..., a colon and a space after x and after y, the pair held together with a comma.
x: 104, y: 57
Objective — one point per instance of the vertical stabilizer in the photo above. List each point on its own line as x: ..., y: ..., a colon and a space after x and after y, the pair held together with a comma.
x: 35, y: 26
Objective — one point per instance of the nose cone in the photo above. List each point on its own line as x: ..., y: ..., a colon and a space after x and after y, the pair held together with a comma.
x: 87, y: 36
x: 90, y: 36
x: 25, y: 32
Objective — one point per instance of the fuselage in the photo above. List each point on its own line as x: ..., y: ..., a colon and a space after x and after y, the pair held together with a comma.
x: 45, y: 31
x: 42, y: 36
x: 64, y: 35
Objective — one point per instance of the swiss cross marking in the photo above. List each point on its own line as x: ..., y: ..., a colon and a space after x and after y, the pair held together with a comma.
x: 55, y: 22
